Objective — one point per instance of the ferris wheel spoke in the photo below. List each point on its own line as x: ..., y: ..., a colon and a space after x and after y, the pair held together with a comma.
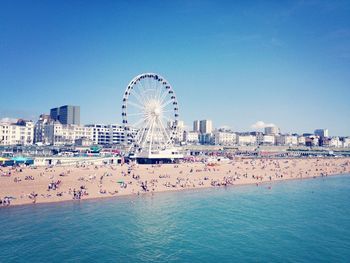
x: 143, y: 91
x: 164, y: 130
x: 136, y: 105
x: 166, y: 103
x: 159, y: 90
x: 142, y: 133
x: 139, y: 99
x: 151, y: 139
x: 163, y: 97
x: 138, y: 123
x: 148, y: 131
x: 136, y: 114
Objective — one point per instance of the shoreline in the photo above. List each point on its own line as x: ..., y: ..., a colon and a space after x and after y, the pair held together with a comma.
x: 161, y: 178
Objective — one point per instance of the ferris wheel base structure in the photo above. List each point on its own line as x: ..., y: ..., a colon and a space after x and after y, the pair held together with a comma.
x: 166, y: 156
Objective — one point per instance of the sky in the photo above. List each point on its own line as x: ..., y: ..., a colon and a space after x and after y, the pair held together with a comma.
x: 242, y: 64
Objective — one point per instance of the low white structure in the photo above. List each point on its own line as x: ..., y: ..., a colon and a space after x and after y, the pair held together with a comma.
x: 335, y: 142
x: 288, y: 140
x: 56, y: 133
x: 191, y: 137
x: 19, y: 133
x: 245, y: 139
x: 268, y: 140
x: 108, y: 134
x: 301, y: 140
x: 346, y: 142
x: 224, y: 138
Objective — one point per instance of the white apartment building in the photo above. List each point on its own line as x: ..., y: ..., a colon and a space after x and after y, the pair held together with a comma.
x: 289, y: 140
x: 56, y: 133
x: 301, y: 140
x: 268, y: 140
x: 191, y: 137
x: 109, y: 134
x: 224, y: 138
x: 245, y: 139
x: 20, y: 133
x: 335, y: 142
x: 346, y: 142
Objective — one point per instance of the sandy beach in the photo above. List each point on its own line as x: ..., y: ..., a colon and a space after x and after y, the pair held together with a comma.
x: 28, y: 185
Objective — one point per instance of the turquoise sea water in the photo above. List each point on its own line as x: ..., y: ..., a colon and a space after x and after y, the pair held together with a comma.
x: 295, y: 221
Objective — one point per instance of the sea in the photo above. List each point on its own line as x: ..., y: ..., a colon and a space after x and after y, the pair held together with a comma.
x: 292, y: 221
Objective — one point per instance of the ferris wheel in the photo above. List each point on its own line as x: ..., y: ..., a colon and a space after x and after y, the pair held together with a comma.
x: 150, y: 114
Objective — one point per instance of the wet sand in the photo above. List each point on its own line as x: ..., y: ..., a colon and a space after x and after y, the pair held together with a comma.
x: 28, y: 185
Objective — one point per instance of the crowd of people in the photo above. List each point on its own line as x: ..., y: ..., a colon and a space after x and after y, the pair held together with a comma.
x: 64, y: 183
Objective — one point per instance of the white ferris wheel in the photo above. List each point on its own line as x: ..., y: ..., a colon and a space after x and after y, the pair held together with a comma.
x: 150, y: 115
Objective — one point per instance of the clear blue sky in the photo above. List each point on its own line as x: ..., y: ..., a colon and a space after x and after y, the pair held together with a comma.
x: 282, y: 62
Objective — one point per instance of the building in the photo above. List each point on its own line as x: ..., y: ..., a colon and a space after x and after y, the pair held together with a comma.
x: 301, y: 140
x: 56, y: 133
x: 66, y: 114
x: 191, y: 137
x: 272, y: 130
x: 206, y: 126
x: 245, y: 139
x: 206, y: 138
x: 312, y: 141
x: 196, y: 125
x: 111, y: 134
x: 268, y: 140
x: 39, y: 135
x: 259, y: 137
x: 321, y: 133
x: 346, y: 142
x: 224, y: 138
x: 179, y: 132
x: 19, y: 133
x: 335, y: 142
x: 288, y: 140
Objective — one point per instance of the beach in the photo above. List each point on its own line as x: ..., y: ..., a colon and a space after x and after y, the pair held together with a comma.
x: 30, y: 185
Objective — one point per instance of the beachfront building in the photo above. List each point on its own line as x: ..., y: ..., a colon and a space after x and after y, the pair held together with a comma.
x: 39, y: 135
x: 301, y: 140
x: 272, y: 130
x: 110, y: 134
x: 191, y: 137
x: 312, y: 141
x: 322, y: 133
x: 287, y: 140
x: 18, y: 133
x: 56, y: 133
x: 245, y: 139
x: 259, y: 137
x: 268, y: 140
x: 66, y: 114
x: 335, y: 142
x: 346, y: 142
x: 222, y: 137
